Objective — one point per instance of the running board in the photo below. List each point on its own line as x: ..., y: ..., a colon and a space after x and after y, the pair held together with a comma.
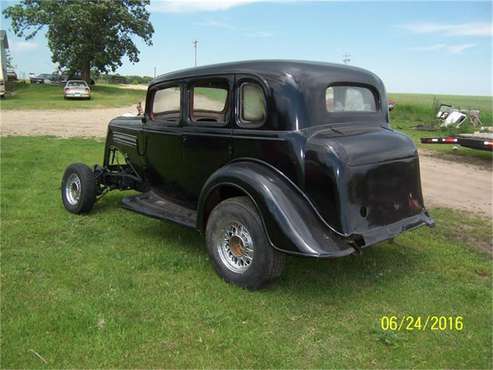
x: 153, y: 205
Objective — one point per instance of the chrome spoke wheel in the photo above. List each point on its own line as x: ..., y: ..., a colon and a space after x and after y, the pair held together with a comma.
x: 236, y: 248
x: 73, y: 189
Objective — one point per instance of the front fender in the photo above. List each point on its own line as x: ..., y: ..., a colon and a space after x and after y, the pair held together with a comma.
x: 291, y: 223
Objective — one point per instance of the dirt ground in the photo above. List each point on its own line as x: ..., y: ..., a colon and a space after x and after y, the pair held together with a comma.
x: 449, y: 183
x: 80, y: 122
x: 446, y: 182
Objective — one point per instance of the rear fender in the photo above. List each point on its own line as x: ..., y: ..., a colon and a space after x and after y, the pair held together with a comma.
x: 290, y: 221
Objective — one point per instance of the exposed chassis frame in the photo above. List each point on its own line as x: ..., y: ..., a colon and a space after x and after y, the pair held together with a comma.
x: 115, y: 176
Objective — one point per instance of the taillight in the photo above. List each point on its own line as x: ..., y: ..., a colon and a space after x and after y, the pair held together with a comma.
x: 87, y: 89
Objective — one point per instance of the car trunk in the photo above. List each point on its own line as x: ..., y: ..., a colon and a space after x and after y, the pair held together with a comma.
x: 78, y: 89
x: 377, y: 177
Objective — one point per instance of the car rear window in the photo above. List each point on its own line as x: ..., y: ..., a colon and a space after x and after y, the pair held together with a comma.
x: 77, y: 84
x: 350, y: 99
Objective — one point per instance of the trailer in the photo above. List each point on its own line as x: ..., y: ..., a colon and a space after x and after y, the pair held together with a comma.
x: 480, y: 141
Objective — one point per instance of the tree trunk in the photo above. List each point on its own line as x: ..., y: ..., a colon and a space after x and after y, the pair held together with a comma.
x: 85, y: 72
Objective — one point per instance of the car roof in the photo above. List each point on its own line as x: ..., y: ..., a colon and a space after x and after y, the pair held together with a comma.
x: 78, y: 81
x: 295, y: 68
x: 296, y: 89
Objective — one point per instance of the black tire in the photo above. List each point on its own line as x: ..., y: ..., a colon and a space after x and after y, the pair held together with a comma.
x: 83, y: 196
x: 267, y: 263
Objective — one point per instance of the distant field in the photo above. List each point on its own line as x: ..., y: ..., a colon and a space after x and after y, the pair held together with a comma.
x: 27, y: 96
x: 484, y: 103
x: 418, y: 109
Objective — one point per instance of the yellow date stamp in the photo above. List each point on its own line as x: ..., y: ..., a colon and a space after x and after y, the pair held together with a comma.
x: 422, y: 323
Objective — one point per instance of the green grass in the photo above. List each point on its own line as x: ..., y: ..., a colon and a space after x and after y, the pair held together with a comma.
x: 417, y: 109
x: 116, y: 289
x: 29, y: 96
x: 424, y: 103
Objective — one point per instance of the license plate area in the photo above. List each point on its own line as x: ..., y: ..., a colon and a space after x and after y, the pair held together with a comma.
x: 389, y: 192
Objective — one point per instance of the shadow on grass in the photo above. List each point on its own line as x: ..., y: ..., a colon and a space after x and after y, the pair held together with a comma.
x: 345, y: 277
x: 387, y: 261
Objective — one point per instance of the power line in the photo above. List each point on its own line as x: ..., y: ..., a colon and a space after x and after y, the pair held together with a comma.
x: 346, y: 58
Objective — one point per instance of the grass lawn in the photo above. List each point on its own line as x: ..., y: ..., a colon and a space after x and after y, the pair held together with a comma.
x: 34, y: 96
x: 116, y: 289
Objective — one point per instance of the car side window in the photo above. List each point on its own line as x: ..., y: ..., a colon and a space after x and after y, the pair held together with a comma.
x: 209, y: 102
x: 166, y: 105
x: 253, y: 105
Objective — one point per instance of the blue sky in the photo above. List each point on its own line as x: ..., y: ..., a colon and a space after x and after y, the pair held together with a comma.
x: 423, y: 47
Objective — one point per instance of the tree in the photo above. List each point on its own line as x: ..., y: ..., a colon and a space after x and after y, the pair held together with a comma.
x: 9, y: 60
x: 85, y: 34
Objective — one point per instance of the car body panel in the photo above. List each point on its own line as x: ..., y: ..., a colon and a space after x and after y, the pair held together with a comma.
x: 325, y: 184
x: 291, y: 223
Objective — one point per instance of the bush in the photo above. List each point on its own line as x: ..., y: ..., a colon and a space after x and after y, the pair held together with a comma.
x: 118, y: 79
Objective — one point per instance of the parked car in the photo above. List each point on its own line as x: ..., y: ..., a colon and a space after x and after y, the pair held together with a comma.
x: 41, y: 79
x: 77, y: 89
x: 266, y: 159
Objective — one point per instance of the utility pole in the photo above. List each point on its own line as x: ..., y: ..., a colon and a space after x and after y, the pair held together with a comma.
x: 154, y: 71
x: 195, y: 42
x: 346, y: 58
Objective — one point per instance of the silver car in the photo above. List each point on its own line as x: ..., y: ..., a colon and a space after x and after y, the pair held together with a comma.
x: 77, y: 89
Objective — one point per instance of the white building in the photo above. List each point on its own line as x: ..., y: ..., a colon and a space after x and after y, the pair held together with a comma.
x: 4, y: 45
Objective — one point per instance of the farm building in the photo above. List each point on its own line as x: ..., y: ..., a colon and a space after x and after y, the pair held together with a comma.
x: 4, y: 45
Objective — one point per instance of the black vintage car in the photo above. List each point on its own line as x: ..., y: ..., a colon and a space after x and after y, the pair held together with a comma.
x: 266, y: 158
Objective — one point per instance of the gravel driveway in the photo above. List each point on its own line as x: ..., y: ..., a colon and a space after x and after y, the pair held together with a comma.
x: 81, y: 122
x: 446, y: 181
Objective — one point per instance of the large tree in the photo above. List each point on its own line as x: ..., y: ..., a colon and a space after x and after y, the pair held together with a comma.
x: 85, y: 34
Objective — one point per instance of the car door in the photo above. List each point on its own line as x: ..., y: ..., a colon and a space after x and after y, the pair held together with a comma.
x: 206, y: 130
x: 254, y: 134
x: 163, y: 140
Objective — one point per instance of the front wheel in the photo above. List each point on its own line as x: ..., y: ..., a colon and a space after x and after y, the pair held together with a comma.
x: 78, y: 188
x: 239, y: 247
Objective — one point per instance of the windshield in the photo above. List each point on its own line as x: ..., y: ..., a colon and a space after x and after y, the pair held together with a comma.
x: 349, y: 99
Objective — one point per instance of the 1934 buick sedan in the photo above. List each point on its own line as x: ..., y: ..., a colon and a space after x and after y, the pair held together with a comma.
x: 267, y: 159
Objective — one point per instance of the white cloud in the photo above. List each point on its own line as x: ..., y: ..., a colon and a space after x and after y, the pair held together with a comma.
x: 182, y: 6
x: 458, y: 49
x: 216, y: 24
x: 227, y: 26
x: 258, y: 34
x: 453, y: 49
x: 23, y: 46
x: 429, y: 48
x: 460, y: 29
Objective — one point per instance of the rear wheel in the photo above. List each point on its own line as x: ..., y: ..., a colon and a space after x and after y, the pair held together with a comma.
x: 78, y: 188
x: 239, y: 247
